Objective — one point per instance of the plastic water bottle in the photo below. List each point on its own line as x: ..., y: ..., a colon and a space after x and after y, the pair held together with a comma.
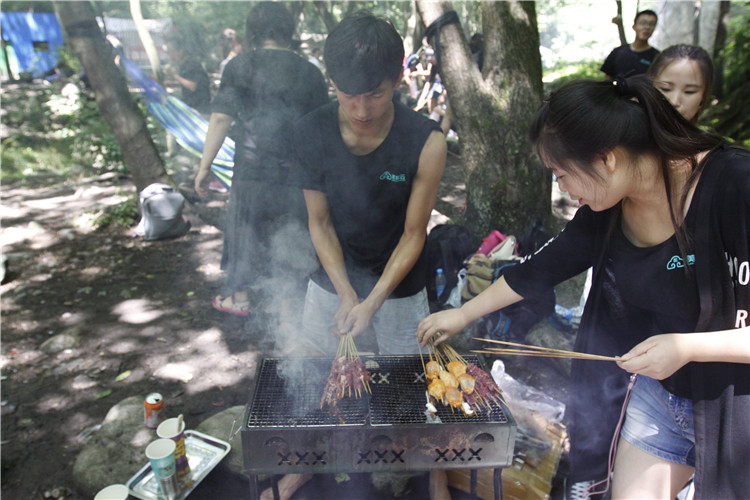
x: 439, y: 282
x: 564, y: 312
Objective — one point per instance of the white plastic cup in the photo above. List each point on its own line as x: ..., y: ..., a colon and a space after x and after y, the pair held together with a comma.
x: 113, y: 492
x: 174, y: 429
x: 160, y: 454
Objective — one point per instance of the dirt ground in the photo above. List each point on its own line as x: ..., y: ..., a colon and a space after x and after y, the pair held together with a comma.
x: 92, y: 317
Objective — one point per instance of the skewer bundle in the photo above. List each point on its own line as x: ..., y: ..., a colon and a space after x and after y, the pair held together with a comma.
x: 457, y: 383
x: 532, y: 350
x: 348, y: 374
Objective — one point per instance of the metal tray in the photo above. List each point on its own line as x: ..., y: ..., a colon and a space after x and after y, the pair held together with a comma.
x: 204, y: 452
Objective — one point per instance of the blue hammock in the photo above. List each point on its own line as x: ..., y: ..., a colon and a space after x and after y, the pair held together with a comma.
x: 182, y: 121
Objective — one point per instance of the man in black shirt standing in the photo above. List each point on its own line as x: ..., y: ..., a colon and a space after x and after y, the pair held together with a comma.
x: 635, y: 58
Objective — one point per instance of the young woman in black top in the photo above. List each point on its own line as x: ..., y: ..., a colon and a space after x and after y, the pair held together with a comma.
x: 665, y: 223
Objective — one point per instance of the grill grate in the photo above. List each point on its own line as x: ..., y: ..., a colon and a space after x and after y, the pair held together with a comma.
x: 295, y: 401
x: 398, y: 395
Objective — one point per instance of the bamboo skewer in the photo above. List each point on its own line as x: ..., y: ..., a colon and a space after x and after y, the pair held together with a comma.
x: 545, y: 352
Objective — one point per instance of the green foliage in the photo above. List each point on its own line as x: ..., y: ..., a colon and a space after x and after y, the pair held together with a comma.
x: 123, y: 215
x: 91, y: 140
x: 27, y: 6
x: 57, y: 131
x: 734, y: 55
x: 729, y: 116
x: 553, y: 80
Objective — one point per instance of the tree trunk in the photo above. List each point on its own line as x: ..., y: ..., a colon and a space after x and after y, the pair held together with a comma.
x: 412, y: 38
x: 506, y: 188
x: 618, y: 21
x: 719, y: 42
x: 697, y: 22
x: 325, y: 14
x: 112, y: 96
x: 146, y: 40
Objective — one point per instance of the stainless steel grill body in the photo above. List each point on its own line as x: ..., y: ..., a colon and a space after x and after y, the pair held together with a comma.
x: 286, y: 432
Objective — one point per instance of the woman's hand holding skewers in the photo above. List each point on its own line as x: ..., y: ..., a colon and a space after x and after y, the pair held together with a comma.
x: 444, y: 323
x: 657, y: 357
x: 662, y: 355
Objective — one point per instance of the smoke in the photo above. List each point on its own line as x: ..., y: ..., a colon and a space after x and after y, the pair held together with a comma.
x: 292, y: 261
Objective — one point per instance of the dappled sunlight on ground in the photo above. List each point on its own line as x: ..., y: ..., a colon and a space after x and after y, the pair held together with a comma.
x: 137, y: 311
x: 208, y: 364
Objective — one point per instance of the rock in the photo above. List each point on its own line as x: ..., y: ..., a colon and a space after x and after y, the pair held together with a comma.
x: 220, y: 426
x: 65, y: 340
x: 116, y: 451
x: 392, y: 484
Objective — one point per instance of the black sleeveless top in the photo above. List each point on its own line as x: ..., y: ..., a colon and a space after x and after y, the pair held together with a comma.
x: 367, y: 194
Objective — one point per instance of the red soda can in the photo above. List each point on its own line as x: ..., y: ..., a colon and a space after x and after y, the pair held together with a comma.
x: 154, y: 406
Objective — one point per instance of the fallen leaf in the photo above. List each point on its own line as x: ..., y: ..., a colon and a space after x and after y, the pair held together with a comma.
x: 104, y: 394
x: 122, y: 376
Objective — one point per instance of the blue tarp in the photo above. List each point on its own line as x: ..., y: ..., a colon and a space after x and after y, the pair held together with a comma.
x: 36, y: 37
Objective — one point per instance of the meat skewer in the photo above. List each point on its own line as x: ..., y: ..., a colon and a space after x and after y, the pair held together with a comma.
x: 476, y: 390
x: 348, y: 376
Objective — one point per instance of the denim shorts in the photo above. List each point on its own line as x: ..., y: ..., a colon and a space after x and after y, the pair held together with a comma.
x: 660, y: 423
x: 394, y: 324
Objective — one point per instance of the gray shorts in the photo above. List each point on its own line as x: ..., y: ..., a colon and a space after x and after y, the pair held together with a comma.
x: 394, y: 325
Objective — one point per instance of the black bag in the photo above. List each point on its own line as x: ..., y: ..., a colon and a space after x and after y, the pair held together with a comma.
x: 161, y: 213
x: 515, y: 321
x: 532, y: 239
x: 447, y: 247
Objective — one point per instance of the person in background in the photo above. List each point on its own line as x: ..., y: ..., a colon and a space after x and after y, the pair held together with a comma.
x: 665, y: 224
x: 433, y: 87
x: 190, y: 74
x: 230, y: 47
x: 370, y: 168
x: 635, y: 58
x: 264, y: 90
x: 685, y: 75
x: 314, y: 58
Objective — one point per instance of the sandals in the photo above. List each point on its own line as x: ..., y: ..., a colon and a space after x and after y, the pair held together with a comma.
x: 229, y: 305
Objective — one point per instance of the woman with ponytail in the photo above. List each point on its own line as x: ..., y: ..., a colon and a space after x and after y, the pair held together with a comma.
x: 665, y: 224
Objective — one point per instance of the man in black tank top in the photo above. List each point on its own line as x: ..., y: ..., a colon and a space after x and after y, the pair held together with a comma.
x: 370, y: 169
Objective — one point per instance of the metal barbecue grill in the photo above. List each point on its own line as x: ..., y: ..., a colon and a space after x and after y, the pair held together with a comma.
x: 285, y: 431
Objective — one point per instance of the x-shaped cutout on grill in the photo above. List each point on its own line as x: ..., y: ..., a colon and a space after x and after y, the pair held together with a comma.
x: 319, y: 458
x: 397, y: 456
x: 284, y: 459
x: 363, y: 457
x: 381, y: 456
x: 383, y: 378
x: 418, y: 378
x: 475, y: 454
x: 458, y: 455
x: 301, y: 458
x: 442, y: 455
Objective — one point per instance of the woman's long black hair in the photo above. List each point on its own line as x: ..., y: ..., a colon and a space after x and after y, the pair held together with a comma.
x: 586, y: 118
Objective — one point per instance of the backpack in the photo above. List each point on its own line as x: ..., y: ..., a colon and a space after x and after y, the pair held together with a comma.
x: 515, y: 321
x: 532, y: 239
x: 161, y: 213
x: 447, y: 247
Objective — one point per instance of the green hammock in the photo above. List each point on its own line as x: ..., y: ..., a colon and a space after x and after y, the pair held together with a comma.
x: 187, y: 125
